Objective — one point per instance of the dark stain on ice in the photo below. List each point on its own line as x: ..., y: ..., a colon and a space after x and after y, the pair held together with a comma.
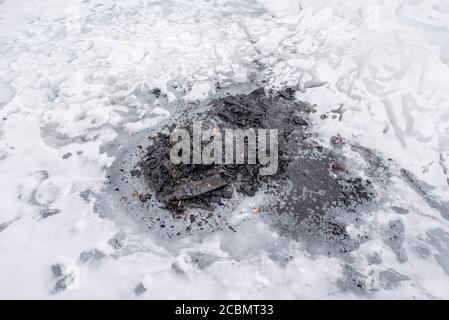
x: 67, y: 155
x: 63, y: 283
x: 5, y: 225
x: 359, y: 283
x: 117, y: 241
x: 423, y: 189
x: 395, y: 238
x: 439, y: 239
x: 57, y: 270
x: 63, y: 277
x: 399, y: 210
x: 91, y: 255
x: 353, y: 280
x: 139, y: 289
x: 390, y: 277
x: 48, y: 212
x: 311, y: 180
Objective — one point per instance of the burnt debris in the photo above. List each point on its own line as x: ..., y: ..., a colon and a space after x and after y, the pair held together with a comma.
x: 311, y: 180
x: 317, y: 176
x: 204, y: 186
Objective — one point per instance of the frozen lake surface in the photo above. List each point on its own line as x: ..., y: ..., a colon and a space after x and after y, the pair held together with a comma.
x: 82, y: 81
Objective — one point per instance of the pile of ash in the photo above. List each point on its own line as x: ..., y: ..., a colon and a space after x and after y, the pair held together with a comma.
x: 309, y: 181
x: 203, y: 186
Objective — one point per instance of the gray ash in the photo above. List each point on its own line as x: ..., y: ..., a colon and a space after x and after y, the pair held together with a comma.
x: 311, y: 180
x: 204, y: 186
x: 302, y: 162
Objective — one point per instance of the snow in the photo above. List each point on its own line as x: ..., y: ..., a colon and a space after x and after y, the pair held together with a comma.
x: 74, y: 76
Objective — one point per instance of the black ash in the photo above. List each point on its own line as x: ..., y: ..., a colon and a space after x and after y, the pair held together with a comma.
x: 311, y: 180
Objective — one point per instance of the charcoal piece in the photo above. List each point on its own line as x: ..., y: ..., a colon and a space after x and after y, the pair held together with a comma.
x: 192, y: 189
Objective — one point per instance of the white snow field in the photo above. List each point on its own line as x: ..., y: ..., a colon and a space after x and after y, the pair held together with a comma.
x: 72, y: 77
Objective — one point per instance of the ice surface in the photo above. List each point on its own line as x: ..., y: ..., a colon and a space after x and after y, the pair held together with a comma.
x: 77, y: 76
